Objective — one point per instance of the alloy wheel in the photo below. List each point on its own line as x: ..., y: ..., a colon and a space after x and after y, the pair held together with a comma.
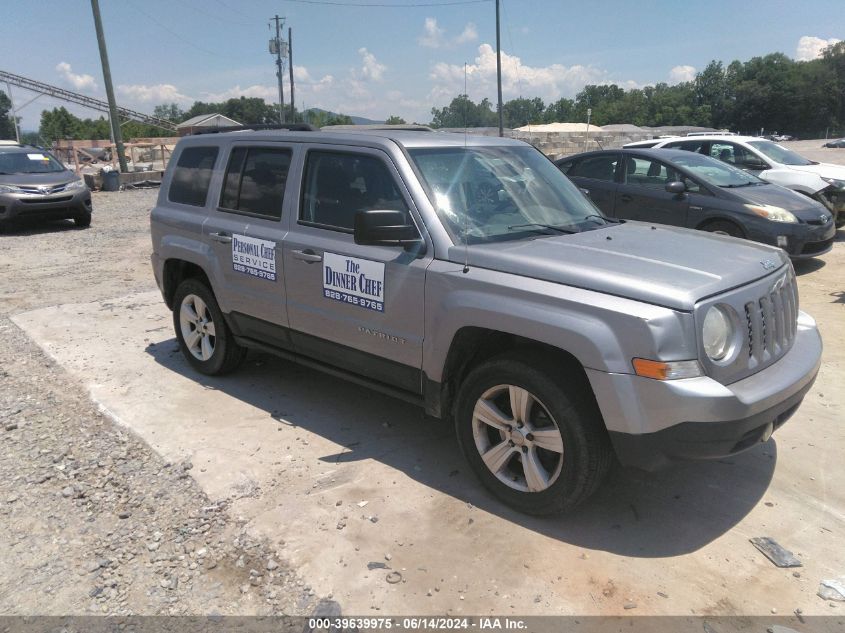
x: 517, y: 438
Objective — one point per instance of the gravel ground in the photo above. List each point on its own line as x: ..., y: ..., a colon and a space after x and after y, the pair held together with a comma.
x: 93, y: 520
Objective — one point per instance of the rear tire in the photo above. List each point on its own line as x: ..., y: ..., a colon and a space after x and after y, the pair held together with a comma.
x: 723, y: 227
x: 538, y: 445
x: 204, y: 338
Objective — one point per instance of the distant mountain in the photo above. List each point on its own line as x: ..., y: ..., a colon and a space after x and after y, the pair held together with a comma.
x: 357, y: 120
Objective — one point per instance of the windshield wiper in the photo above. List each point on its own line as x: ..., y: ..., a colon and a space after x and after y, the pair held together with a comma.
x: 545, y: 226
x: 745, y: 184
x: 606, y: 219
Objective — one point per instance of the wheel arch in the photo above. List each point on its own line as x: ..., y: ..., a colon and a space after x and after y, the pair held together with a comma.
x: 715, y: 219
x: 471, y: 346
x: 178, y: 270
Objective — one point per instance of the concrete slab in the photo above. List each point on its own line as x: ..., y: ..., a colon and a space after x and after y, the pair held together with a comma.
x: 340, y: 477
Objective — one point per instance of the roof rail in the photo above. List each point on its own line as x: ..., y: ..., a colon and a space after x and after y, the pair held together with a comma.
x: 408, y: 127
x: 292, y: 127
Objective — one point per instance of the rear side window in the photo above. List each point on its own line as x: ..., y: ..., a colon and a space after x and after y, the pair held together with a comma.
x: 595, y: 167
x: 255, y: 181
x: 689, y: 146
x: 338, y: 186
x: 192, y: 176
x: 647, y: 172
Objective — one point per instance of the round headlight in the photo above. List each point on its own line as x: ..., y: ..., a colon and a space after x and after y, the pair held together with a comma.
x: 716, y: 333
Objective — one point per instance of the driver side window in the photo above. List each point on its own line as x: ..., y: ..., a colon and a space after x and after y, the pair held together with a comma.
x: 339, y: 185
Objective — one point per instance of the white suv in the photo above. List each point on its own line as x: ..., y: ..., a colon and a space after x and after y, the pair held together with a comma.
x: 771, y: 162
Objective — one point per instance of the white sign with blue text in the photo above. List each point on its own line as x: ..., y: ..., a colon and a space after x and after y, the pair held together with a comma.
x: 255, y: 257
x: 358, y: 282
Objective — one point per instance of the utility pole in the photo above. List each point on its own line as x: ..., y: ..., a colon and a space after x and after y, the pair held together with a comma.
x: 290, y: 69
x: 499, y: 68
x: 276, y: 46
x: 104, y: 59
x: 587, y: 141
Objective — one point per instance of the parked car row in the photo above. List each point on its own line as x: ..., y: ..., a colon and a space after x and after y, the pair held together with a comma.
x: 687, y: 189
x: 771, y: 162
x: 839, y: 142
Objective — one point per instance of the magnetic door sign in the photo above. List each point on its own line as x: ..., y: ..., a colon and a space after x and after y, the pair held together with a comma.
x: 255, y: 257
x: 358, y: 282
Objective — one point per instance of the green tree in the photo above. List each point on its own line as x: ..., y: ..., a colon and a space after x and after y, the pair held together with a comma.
x: 521, y: 111
x: 560, y: 111
x: 395, y: 120
x: 169, y: 112
x: 58, y: 124
x: 7, y: 126
x: 463, y: 112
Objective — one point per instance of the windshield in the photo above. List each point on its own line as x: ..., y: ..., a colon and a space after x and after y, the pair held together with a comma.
x: 30, y: 162
x: 715, y: 172
x: 492, y: 194
x: 779, y: 154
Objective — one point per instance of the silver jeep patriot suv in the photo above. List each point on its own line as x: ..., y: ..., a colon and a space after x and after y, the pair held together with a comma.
x: 468, y: 275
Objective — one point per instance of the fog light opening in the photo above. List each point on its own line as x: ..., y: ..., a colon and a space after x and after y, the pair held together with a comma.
x: 783, y: 241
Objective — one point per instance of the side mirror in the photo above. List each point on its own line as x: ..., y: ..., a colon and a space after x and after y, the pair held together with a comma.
x: 676, y: 187
x: 384, y: 228
x: 754, y: 165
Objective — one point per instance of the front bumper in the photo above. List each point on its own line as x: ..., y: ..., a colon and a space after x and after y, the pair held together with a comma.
x: 803, y: 240
x: 834, y: 200
x: 653, y: 423
x: 59, y: 206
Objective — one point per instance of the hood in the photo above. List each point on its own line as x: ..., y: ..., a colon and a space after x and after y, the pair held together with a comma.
x: 822, y: 169
x: 51, y: 178
x: 803, y: 207
x: 657, y: 264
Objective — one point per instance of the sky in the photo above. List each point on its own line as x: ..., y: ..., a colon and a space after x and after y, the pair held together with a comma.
x: 402, y: 59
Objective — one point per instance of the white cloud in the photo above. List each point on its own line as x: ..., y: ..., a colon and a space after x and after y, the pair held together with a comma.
x: 433, y: 36
x: 79, y: 82
x: 549, y: 82
x: 268, y: 93
x: 680, y: 74
x: 469, y: 34
x: 371, y: 69
x: 810, y: 47
x: 300, y: 73
x: 306, y: 83
x: 157, y: 93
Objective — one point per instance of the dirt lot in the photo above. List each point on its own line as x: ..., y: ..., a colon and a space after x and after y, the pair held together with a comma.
x: 94, y: 521
x: 129, y: 484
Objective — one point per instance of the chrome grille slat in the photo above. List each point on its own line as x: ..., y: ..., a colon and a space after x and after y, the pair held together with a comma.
x: 771, y: 322
x: 766, y: 314
x: 780, y: 319
x: 758, y: 329
x: 52, y: 189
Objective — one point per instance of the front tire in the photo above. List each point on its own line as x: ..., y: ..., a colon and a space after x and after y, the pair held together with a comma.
x: 82, y: 220
x: 204, y: 338
x: 538, y: 445
x: 723, y: 227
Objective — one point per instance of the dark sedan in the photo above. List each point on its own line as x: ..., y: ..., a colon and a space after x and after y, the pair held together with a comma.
x: 840, y: 142
x: 695, y: 191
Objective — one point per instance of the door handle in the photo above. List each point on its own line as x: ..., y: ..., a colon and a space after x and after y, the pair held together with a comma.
x: 221, y: 237
x: 625, y: 197
x: 308, y: 256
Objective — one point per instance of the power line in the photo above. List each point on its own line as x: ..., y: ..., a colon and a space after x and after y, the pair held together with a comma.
x: 445, y: 3
x: 233, y: 10
x: 178, y: 36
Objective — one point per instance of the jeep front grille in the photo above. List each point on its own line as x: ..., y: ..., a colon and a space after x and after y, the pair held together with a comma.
x: 772, y: 321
